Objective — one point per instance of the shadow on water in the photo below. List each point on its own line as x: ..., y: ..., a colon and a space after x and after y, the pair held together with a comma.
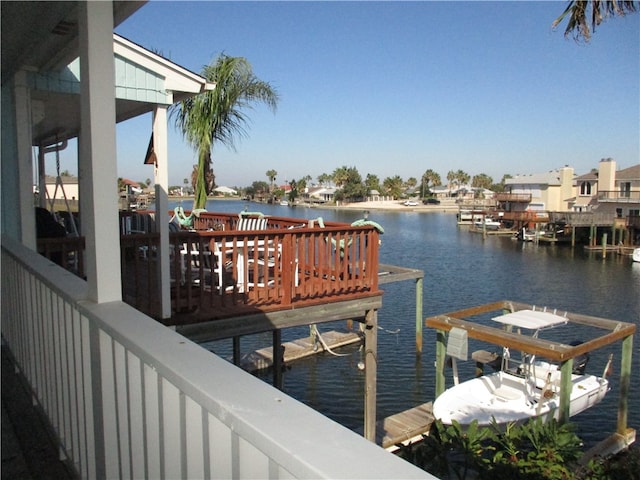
x: 462, y: 269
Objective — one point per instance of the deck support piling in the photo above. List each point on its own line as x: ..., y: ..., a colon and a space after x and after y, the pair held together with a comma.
x: 441, y: 352
x: 625, y: 380
x: 565, y: 390
x: 370, y: 368
x: 236, y: 351
x: 278, y: 357
x: 419, y: 286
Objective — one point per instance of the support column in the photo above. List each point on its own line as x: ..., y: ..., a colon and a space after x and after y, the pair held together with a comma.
x: 371, y: 373
x: 565, y: 390
x: 278, y: 358
x: 419, y: 289
x: 26, y: 214
x: 625, y: 381
x: 97, y: 148
x: 441, y: 353
x: 161, y: 177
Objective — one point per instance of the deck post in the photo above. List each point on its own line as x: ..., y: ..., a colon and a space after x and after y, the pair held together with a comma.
x: 371, y: 372
x: 565, y: 390
x: 419, y: 283
x: 236, y: 351
x: 278, y: 357
x: 441, y: 351
x: 604, y: 245
x: 625, y: 380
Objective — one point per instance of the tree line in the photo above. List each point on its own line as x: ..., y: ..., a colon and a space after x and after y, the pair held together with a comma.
x: 351, y: 186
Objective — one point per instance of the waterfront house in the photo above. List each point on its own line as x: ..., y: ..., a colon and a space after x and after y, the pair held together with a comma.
x: 538, y: 192
x: 609, y: 190
x: 125, y: 395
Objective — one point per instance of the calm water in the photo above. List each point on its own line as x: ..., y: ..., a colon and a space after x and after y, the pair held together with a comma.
x: 461, y: 270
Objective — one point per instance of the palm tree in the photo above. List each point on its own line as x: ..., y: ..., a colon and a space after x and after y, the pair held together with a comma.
x: 430, y: 179
x: 218, y: 115
x: 598, y: 10
x: 271, y: 175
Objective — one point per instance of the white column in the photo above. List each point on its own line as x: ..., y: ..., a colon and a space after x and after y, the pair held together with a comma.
x: 97, y: 152
x: 162, y: 204
x: 26, y: 212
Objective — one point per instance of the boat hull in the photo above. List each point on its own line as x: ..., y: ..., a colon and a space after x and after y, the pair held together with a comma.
x: 504, y: 398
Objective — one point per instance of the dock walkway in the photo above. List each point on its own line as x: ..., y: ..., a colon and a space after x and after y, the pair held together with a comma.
x: 404, y: 427
x: 295, y: 350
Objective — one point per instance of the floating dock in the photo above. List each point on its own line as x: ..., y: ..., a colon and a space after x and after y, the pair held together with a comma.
x: 304, y: 347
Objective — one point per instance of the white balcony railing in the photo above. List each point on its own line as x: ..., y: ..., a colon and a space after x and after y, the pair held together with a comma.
x: 130, y: 398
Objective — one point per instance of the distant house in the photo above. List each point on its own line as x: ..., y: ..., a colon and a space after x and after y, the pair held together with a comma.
x: 608, y: 190
x: 549, y: 191
x: 321, y: 194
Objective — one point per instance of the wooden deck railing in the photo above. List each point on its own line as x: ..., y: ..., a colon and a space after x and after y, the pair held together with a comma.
x: 223, y: 273
x: 513, y: 197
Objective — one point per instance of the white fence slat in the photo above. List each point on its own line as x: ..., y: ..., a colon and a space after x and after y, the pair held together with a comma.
x: 136, y: 416
x: 109, y: 408
x: 194, y: 437
x: 221, y: 459
x: 152, y: 422
x: 254, y: 464
x: 171, y: 450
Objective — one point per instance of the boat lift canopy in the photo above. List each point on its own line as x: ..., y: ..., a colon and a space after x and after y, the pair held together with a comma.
x: 531, y: 319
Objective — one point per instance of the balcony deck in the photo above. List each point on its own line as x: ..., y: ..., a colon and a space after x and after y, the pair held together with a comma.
x: 218, y: 271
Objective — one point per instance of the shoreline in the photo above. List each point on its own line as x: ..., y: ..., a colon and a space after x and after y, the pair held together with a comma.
x: 390, y: 205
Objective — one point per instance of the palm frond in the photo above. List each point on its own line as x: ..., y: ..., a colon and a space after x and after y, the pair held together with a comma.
x: 585, y: 15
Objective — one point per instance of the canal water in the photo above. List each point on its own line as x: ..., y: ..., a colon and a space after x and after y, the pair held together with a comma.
x: 461, y: 269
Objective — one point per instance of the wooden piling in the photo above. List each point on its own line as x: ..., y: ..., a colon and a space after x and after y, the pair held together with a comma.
x: 625, y: 381
x: 419, y: 282
x: 371, y: 368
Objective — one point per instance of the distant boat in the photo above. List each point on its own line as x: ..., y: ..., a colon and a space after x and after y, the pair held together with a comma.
x: 527, y: 235
x: 523, y: 389
x: 488, y: 223
x: 284, y: 203
x: 636, y: 255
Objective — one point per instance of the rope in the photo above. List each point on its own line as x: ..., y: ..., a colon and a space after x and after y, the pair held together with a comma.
x: 314, y: 330
x: 363, y: 223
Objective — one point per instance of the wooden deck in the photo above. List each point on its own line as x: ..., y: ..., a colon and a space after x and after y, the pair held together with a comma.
x: 405, y: 427
x: 225, y: 272
x: 301, y: 348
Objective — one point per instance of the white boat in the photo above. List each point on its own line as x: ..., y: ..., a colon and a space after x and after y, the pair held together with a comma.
x: 519, y: 390
x: 636, y: 255
x: 284, y: 203
x: 487, y: 223
x: 528, y: 235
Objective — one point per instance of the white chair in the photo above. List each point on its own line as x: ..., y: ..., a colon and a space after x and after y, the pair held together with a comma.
x: 251, y: 221
x: 195, y: 264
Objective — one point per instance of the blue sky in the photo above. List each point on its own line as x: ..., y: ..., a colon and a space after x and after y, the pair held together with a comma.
x: 396, y: 88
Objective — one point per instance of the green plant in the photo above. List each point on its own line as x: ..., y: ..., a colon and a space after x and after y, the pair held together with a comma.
x: 535, y: 450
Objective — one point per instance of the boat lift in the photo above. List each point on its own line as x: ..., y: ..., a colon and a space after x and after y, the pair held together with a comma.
x: 564, y: 354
